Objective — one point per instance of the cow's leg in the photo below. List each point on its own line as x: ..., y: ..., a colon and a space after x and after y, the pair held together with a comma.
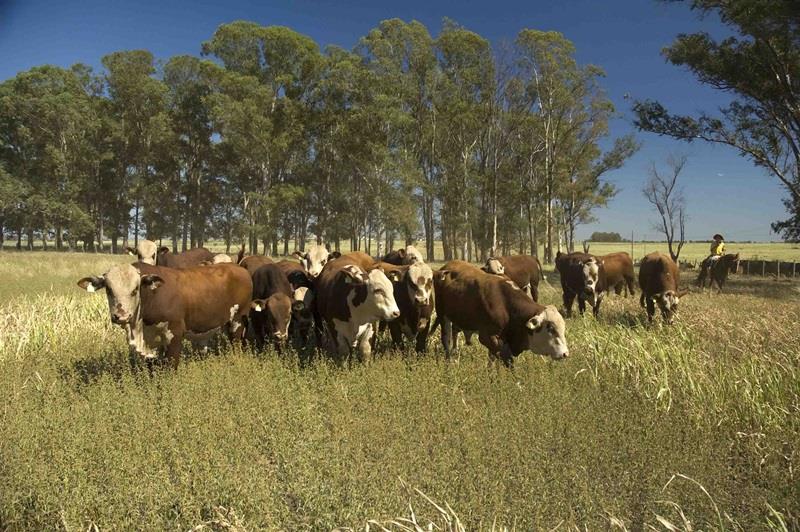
x: 596, y: 306
x: 581, y: 304
x: 494, y: 347
x: 569, y: 298
x: 364, y: 344
x: 175, y: 344
x: 651, y: 309
x: 396, y: 331
x: 618, y: 288
x: 447, y: 333
x: 422, y: 337
x: 631, y: 286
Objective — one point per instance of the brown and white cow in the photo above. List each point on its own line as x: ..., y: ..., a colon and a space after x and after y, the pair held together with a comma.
x: 187, y: 259
x: 403, y: 256
x: 524, y: 270
x: 157, y: 306
x: 271, y: 309
x: 413, y: 292
x: 582, y: 275
x: 315, y: 258
x: 349, y: 301
x: 145, y: 251
x: 659, y: 280
x: 303, y: 296
x: 508, y: 322
x: 619, y: 272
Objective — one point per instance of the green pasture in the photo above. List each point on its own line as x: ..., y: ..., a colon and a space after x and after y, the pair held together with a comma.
x: 690, y: 427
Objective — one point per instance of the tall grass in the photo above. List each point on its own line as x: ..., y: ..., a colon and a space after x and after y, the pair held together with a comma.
x: 695, y: 426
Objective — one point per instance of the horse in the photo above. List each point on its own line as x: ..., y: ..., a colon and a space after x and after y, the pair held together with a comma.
x: 719, y: 271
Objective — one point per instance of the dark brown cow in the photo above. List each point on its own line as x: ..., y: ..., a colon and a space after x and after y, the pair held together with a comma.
x: 350, y: 300
x: 582, y: 275
x: 619, y: 272
x: 188, y: 259
x: 524, y: 270
x: 413, y: 292
x: 659, y: 280
x: 271, y: 309
x: 303, y: 305
x: 508, y: 322
x: 253, y: 262
x: 157, y: 306
x: 403, y: 256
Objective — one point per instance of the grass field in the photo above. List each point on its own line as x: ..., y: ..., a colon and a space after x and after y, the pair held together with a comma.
x: 695, y: 426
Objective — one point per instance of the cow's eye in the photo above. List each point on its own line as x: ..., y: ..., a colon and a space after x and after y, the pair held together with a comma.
x: 135, y: 290
x: 379, y: 292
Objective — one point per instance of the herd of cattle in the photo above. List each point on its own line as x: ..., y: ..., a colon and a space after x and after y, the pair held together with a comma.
x: 342, y: 301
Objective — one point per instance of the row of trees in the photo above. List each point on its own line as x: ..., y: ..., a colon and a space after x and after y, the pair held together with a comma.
x: 267, y: 140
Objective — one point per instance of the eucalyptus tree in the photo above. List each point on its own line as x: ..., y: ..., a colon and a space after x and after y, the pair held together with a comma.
x: 260, y: 109
x: 137, y: 106
x: 757, y: 67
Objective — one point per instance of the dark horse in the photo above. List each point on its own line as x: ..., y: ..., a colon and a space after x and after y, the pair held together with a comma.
x: 719, y: 271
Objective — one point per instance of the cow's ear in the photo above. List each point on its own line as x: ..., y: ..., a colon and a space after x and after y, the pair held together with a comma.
x: 298, y: 306
x: 151, y: 280
x: 131, y: 251
x: 163, y: 249
x: 401, y: 253
x: 334, y: 255
x: 258, y: 304
x: 92, y: 284
x: 394, y: 276
x: 535, y: 323
x: 298, y: 254
x: 352, y: 275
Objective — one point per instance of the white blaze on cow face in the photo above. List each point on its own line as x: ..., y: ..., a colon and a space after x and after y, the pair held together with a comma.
x: 547, y: 333
x: 380, y: 296
x: 413, y: 255
x: 668, y: 304
x: 146, y: 252
x: 122, y: 291
x: 494, y: 266
x: 591, y: 273
x: 420, y: 285
x: 314, y: 259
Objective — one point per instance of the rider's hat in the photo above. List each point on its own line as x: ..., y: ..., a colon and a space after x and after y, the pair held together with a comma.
x: 718, y: 237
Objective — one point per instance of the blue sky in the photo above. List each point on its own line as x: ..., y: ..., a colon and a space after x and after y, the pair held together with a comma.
x: 725, y: 192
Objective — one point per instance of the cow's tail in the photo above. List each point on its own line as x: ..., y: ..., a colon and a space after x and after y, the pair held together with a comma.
x: 541, y: 273
x: 240, y: 256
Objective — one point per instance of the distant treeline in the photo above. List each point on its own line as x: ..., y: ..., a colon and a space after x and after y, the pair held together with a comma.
x: 267, y: 139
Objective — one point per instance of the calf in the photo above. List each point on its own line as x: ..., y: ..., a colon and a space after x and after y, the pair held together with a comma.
x: 315, y: 258
x: 349, y: 300
x: 508, y: 322
x: 524, y: 270
x: 413, y: 290
x: 582, y: 275
x: 157, y: 306
x: 188, y: 259
x: 145, y: 251
x: 403, y: 256
x: 619, y: 272
x: 302, y: 299
x: 271, y: 309
x: 659, y: 279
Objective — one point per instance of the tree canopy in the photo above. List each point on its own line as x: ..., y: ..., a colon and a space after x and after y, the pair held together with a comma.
x: 267, y: 140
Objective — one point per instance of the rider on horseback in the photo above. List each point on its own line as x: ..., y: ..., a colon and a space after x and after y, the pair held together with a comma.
x: 717, y: 250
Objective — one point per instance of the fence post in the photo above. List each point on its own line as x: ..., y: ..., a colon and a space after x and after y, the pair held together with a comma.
x: 747, y: 267
x: 763, y: 268
x: 779, y: 269
x: 794, y: 267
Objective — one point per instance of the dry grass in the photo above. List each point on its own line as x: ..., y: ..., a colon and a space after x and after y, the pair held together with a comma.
x: 691, y: 427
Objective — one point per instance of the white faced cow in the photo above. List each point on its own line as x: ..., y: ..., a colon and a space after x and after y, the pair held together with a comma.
x: 145, y: 251
x: 349, y: 300
x: 157, y: 306
x: 315, y: 258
